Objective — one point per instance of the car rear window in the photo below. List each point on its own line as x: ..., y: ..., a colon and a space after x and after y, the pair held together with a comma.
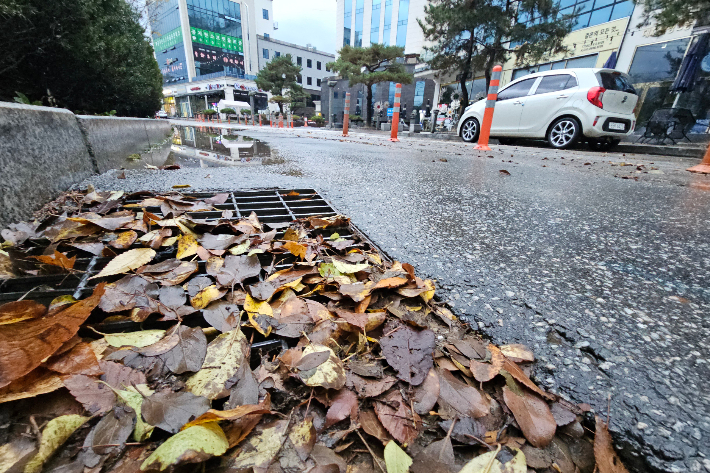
x: 611, y: 81
x: 555, y: 83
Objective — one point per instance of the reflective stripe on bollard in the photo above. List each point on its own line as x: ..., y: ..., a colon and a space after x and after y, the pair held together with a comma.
x: 488, y: 114
x: 346, y: 114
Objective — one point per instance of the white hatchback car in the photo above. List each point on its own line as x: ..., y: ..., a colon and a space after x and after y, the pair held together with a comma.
x: 562, y: 106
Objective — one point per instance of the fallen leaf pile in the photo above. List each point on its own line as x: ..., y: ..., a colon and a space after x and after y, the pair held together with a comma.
x: 241, y: 346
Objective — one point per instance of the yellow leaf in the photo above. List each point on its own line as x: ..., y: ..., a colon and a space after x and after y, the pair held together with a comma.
x: 329, y: 374
x: 257, y: 307
x: 431, y: 290
x: 133, y: 398
x: 134, y: 339
x: 299, y: 251
x: 128, y: 261
x: 395, y: 459
x: 194, y: 444
x: 181, y: 186
x: 209, y: 294
x: 225, y: 354
x: 187, y: 246
x: 57, y: 431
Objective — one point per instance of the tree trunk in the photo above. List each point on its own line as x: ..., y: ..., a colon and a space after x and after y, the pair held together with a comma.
x: 465, y: 70
x: 281, y: 107
x: 368, y: 100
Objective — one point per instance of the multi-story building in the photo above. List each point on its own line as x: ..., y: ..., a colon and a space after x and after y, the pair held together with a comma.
x: 598, y: 31
x: 312, y: 62
x: 208, y: 51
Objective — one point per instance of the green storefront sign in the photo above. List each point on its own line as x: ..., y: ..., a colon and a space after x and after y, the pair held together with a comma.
x: 168, y: 40
x: 217, y: 40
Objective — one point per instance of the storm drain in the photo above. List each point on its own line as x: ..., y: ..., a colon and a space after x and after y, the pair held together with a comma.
x: 275, y: 209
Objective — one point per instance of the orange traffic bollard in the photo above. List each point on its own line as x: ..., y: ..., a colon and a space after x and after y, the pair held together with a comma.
x: 346, y: 114
x: 704, y: 166
x: 260, y: 119
x: 488, y: 114
x: 281, y: 120
x: 395, y: 111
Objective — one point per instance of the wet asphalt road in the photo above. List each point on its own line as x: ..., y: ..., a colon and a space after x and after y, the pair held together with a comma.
x: 607, y: 279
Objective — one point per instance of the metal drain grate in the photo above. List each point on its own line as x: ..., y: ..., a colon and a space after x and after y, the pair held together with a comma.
x: 275, y: 208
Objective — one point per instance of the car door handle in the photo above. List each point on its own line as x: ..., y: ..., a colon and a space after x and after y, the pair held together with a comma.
x: 563, y: 96
x: 517, y: 102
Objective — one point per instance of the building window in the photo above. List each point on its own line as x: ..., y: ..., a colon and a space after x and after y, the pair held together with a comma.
x: 309, y: 81
x: 390, y: 97
x: 277, y: 54
x: 586, y: 13
x: 318, y: 82
x: 265, y: 13
x: 347, y: 21
x: 359, y: 15
x: 299, y: 79
x: 375, y: 22
x: 266, y: 35
x: 309, y: 63
x: 419, y: 93
x: 388, y: 23
x: 402, y: 20
x: 657, y: 62
x: 265, y: 53
x: 318, y: 66
x: 299, y: 61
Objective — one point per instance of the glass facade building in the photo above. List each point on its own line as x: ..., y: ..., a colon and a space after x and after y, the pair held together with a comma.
x: 347, y: 22
x: 387, y: 27
x: 216, y: 34
x: 587, y: 13
x: 402, y: 20
x: 168, y: 42
x: 359, y: 15
x: 375, y: 22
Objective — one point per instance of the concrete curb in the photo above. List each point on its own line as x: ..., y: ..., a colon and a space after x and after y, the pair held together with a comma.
x: 44, y: 151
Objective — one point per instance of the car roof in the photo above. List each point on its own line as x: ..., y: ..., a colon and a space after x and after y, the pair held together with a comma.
x: 574, y: 71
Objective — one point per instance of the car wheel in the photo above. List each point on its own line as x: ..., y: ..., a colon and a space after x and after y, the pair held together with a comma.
x: 470, y: 130
x: 602, y: 145
x: 564, y: 133
x: 506, y: 141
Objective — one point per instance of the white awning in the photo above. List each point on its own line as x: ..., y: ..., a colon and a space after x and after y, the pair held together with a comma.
x: 237, y: 106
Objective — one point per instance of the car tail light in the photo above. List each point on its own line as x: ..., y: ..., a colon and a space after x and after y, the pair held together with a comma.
x: 595, y: 95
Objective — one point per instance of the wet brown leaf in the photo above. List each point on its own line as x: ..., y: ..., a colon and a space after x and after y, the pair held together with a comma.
x: 398, y: 418
x: 532, y: 415
x: 461, y: 398
x: 607, y: 459
x: 79, y: 360
x: 238, y: 268
x: 177, y: 274
x: 371, y: 425
x: 369, y: 387
x: 521, y: 377
x: 366, y: 322
x: 25, y: 344
x: 426, y: 394
x: 345, y: 404
x: 484, y: 372
x: 14, y: 312
x: 39, y: 381
x: 171, y: 411
x: 57, y: 259
x: 222, y: 315
x: 410, y: 352
x: 188, y: 355
x: 113, y: 429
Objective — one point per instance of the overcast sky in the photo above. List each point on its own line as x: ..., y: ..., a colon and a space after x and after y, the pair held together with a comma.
x: 306, y: 21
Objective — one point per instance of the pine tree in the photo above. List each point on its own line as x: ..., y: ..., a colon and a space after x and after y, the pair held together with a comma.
x: 666, y: 14
x: 279, y: 77
x: 370, y: 66
x: 469, y: 36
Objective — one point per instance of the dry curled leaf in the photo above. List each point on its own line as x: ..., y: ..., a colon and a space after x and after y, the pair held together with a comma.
x: 607, y: 459
x: 532, y: 415
x: 410, y: 352
x: 396, y: 416
x: 128, y: 261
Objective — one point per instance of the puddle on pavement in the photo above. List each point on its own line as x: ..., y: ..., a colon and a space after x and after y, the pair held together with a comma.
x: 216, y: 147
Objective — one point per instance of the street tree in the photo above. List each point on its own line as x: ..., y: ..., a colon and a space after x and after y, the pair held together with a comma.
x: 469, y: 36
x: 279, y: 77
x: 86, y: 55
x: 666, y: 14
x: 370, y: 66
